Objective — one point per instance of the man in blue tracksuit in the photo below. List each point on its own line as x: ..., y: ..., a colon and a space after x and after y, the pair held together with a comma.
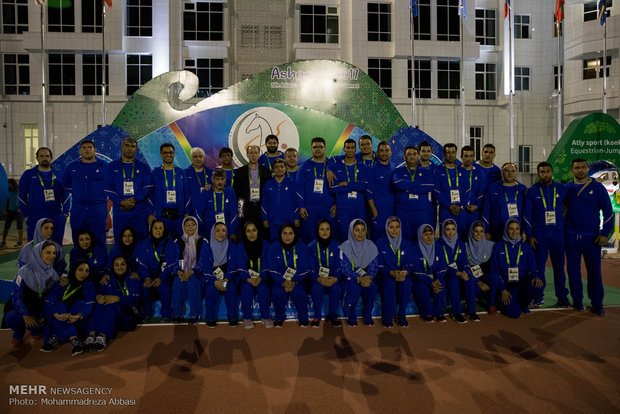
x: 474, y: 190
x: 544, y: 227
x: 226, y: 157
x: 40, y: 195
x: 350, y: 187
x: 280, y: 203
x: 128, y: 185
x: 366, y: 154
x: 585, y: 236
x: 219, y: 204
x: 450, y: 188
x: 198, y: 177
x: 271, y: 143
x: 84, y: 179
x: 291, y: 159
x: 316, y: 201
x: 503, y: 200
x: 413, y: 186
x: 490, y: 172
x: 382, y: 190
x: 170, y: 200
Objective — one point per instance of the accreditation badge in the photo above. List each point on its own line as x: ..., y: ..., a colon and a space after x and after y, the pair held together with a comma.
x: 352, y: 195
x: 513, y: 211
x: 289, y: 274
x: 48, y: 194
x: 323, y: 271
x: 455, y: 196
x: 413, y: 197
x: 171, y: 196
x: 513, y: 274
x: 318, y: 185
x: 218, y: 273
x: 254, y: 194
x: 253, y: 274
x: 219, y: 218
x: 127, y: 187
x: 549, y: 218
x: 476, y: 271
x: 453, y: 266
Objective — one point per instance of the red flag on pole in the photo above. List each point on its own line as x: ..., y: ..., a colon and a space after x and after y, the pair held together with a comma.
x: 559, y: 10
x: 40, y: 2
x: 109, y: 3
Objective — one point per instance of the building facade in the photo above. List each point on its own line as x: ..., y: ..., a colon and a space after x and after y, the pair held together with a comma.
x: 226, y: 41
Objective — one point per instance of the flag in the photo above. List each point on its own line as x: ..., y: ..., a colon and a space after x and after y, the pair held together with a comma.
x: 413, y: 5
x: 463, y: 9
x: 559, y: 10
x: 506, y: 8
x: 40, y: 2
x: 509, y: 51
x: 109, y: 3
x: 602, y: 11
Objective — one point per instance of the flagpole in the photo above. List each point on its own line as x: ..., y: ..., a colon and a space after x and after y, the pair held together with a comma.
x: 511, y: 80
x: 412, y: 34
x: 605, y: 66
x: 462, y: 79
x: 103, y: 65
x: 43, y: 86
x: 558, y: 23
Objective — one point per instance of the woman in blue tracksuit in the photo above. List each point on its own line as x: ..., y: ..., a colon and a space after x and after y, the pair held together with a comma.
x: 429, y: 283
x: 454, y: 254
x: 395, y: 270
x: 359, y: 264
x: 125, y: 246
x: 68, y: 309
x: 25, y: 308
x: 515, y: 265
x: 155, y: 259
x: 219, y: 275
x: 186, y: 273
x: 43, y: 231
x: 325, y: 274
x: 251, y: 265
x: 117, y: 307
x: 87, y: 248
x: 479, y: 253
x: 289, y: 263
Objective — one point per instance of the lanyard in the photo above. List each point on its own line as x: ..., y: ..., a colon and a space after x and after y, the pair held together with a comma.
x: 508, y: 258
x: 174, y: 180
x: 543, y: 197
x: 132, y: 167
x: 294, y: 258
x: 257, y: 174
x: 411, y: 175
x: 347, y: 171
x: 398, y: 255
x: 269, y: 162
x: 324, y: 166
x: 204, y: 173
x: 425, y: 267
x: 471, y: 173
x: 457, y: 178
x: 41, y: 180
x: 232, y: 177
x: 215, y: 204
x: 456, y: 254
x: 318, y: 252
x: 155, y: 251
x: 69, y: 293
x: 252, y: 264
x: 516, y: 196
x: 123, y: 288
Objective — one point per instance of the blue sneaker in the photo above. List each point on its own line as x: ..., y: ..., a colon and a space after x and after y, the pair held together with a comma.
x: 538, y: 303
x: 600, y: 311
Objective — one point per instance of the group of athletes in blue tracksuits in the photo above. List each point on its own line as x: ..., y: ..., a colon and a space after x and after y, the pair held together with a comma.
x: 358, y: 224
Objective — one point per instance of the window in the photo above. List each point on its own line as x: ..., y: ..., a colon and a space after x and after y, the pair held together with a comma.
x: 555, y: 76
x: 249, y: 36
x: 91, y: 74
x: 14, y: 16
x: 16, y: 74
x: 61, y: 17
x: 91, y: 16
x: 590, y: 11
x: 448, y: 79
x: 485, y: 81
x: 379, y: 25
x: 422, y: 78
x: 522, y: 78
x: 448, y: 26
x: 593, y: 68
x: 31, y: 140
x: 210, y: 74
x: 62, y: 74
x: 203, y: 21
x: 485, y: 26
x: 380, y: 70
x: 273, y: 36
x: 557, y: 28
x: 139, y: 18
x: 422, y: 23
x: 139, y: 71
x: 525, y: 158
x: 318, y: 24
x: 475, y: 140
x: 522, y: 26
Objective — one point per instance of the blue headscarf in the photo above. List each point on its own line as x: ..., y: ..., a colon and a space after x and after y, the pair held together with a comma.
x: 360, y: 253
x: 428, y: 251
x: 189, y: 253
x: 478, y: 251
x: 449, y: 241
x: 219, y: 248
x: 506, y: 237
x: 26, y: 254
x: 36, y: 274
x: 394, y: 241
